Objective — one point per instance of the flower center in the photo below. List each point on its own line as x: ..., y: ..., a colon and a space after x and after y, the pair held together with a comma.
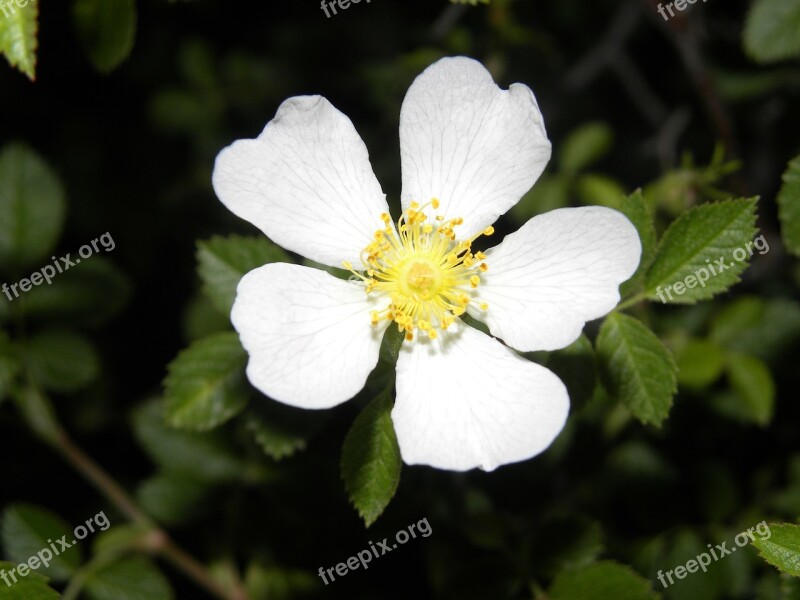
x: 422, y: 280
x: 428, y: 277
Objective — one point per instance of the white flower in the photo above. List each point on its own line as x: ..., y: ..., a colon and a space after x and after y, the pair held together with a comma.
x: 469, y: 152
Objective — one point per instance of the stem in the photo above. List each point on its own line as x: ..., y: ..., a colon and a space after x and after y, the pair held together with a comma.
x: 50, y: 430
x: 74, y: 587
x: 163, y: 546
x: 631, y: 301
x: 180, y: 559
x: 99, y: 478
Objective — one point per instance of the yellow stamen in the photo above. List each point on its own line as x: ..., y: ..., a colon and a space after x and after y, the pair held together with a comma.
x: 427, y: 276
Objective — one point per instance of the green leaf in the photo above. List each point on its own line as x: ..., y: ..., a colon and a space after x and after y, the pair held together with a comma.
x: 37, y: 411
x: 754, y: 390
x: 200, y: 319
x: 371, y: 460
x: 26, y: 530
x: 575, y: 365
x: 549, y: 193
x: 574, y: 542
x: 107, y: 29
x: 280, y: 583
x: 32, y: 208
x: 129, y: 579
x: 281, y: 430
x: 122, y: 538
x: 770, y: 31
x: 5, y: 308
x: 605, y: 580
x: 789, y: 205
x: 9, y: 365
x: 781, y: 548
x: 764, y: 328
x: 584, y: 146
x: 222, y: 262
x: 635, y: 208
x: 685, y: 546
x: 636, y: 367
x: 598, y: 189
x: 687, y: 264
x: 61, y: 361
x: 741, y: 314
x: 700, y: 363
x: 205, y: 456
x: 205, y: 386
x: 18, y: 31
x: 89, y: 295
x: 171, y: 498
x: 32, y: 587
x: 391, y: 344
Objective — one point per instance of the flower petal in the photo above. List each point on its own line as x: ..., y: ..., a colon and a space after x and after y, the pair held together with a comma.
x: 306, y: 182
x: 465, y: 401
x: 308, y: 334
x: 465, y: 141
x: 558, y: 271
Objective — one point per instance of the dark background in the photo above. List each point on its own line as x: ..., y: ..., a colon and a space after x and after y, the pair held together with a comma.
x: 135, y: 150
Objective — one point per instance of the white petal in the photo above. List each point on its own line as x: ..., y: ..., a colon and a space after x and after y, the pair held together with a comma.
x: 466, y: 401
x: 558, y: 271
x: 306, y: 182
x: 308, y: 334
x: 465, y: 141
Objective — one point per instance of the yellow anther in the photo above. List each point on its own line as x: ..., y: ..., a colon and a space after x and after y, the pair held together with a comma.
x: 488, y: 231
x: 422, y: 271
x: 484, y: 306
x: 483, y: 267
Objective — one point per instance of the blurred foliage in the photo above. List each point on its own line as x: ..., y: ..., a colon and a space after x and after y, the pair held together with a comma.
x: 684, y: 423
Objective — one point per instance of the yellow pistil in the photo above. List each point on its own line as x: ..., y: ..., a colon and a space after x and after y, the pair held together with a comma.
x: 428, y: 277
